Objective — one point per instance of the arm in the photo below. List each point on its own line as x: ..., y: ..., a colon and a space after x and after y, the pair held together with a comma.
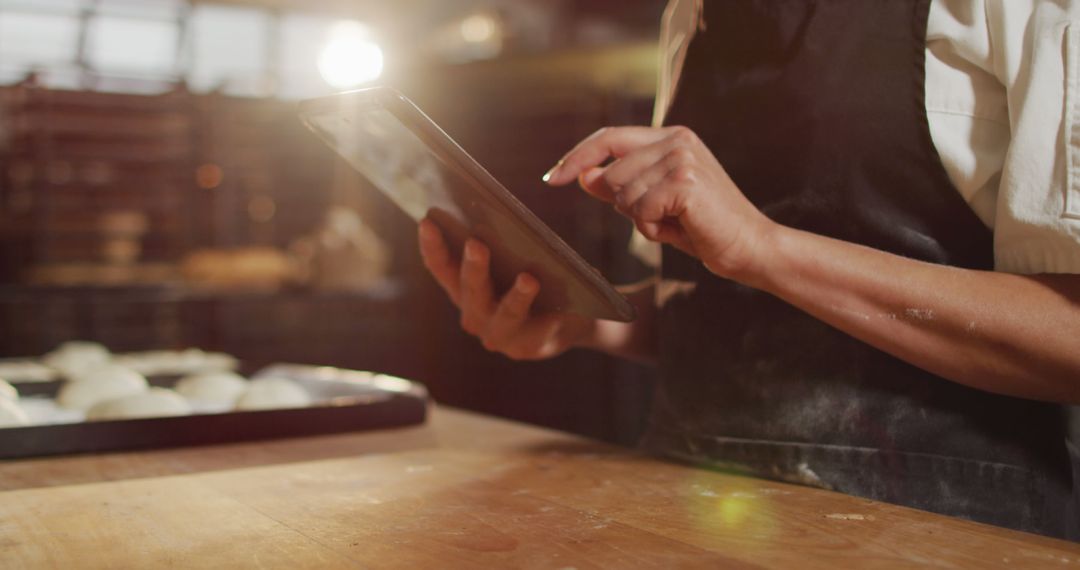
x: 506, y: 325
x: 1011, y: 334
x: 1003, y: 333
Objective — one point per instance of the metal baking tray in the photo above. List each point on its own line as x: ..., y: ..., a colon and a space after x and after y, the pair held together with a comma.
x: 345, y: 400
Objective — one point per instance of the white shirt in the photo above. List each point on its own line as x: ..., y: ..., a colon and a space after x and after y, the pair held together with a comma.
x: 1003, y: 101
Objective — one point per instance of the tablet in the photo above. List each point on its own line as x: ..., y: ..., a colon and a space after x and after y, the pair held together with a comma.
x: 413, y: 162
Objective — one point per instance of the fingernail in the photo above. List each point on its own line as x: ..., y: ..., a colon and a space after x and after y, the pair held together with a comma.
x: 472, y: 251
x: 621, y: 199
x: 551, y: 173
x: 426, y: 231
x: 525, y: 284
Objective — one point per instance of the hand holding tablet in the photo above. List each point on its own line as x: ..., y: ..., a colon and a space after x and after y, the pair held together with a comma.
x: 414, y: 163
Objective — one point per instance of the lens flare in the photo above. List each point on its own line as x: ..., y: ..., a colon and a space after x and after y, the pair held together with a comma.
x: 732, y: 504
x: 478, y: 28
x: 349, y: 58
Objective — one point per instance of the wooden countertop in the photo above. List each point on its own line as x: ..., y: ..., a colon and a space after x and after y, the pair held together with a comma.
x: 465, y: 491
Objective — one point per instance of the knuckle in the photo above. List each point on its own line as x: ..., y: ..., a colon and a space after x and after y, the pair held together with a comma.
x: 680, y: 156
x: 545, y: 349
x: 628, y: 196
x: 683, y: 134
x: 682, y: 174
x: 622, y: 200
x: 473, y: 273
x: 442, y: 273
x: 479, y: 260
x: 612, y: 178
x: 533, y: 351
x: 648, y: 210
x: 468, y: 324
x: 647, y: 230
x: 637, y: 188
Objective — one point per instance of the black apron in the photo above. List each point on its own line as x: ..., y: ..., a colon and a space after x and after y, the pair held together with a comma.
x: 816, y: 109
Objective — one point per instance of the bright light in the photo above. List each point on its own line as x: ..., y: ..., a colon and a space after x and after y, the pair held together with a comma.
x: 478, y: 28
x: 350, y: 58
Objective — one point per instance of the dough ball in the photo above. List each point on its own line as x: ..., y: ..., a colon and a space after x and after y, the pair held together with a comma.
x: 77, y: 356
x: 218, y: 361
x: 153, y: 403
x: 215, y: 387
x: 178, y: 362
x: 7, y: 391
x: 271, y: 393
x: 147, y: 363
x: 107, y: 372
x: 26, y: 371
x: 11, y: 415
x: 103, y: 383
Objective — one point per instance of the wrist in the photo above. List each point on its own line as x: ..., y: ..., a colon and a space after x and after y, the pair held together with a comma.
x: 624, y: 340
x: 754, y: 263
x: 633, y: 340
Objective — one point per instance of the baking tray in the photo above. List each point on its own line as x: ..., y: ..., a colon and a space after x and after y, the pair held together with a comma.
x: 346, y: 400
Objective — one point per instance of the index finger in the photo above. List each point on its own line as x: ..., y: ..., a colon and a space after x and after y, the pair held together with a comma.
x: 437, y: 259
x: 613, y: 142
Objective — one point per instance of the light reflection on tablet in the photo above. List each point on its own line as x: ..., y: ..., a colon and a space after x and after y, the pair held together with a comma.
x: 387, y: 139
x: 391, y: 157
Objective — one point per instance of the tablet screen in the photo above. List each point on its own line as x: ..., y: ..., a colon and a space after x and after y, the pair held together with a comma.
x: 392, y: 157
x: 410, y: 160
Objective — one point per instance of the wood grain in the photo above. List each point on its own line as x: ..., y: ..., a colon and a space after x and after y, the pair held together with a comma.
x: 489, y: 493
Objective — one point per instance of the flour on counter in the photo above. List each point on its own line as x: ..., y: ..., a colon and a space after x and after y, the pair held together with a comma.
x: 849, y: 517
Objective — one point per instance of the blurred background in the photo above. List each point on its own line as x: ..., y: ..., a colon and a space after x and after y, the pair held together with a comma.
x: 157, y: 190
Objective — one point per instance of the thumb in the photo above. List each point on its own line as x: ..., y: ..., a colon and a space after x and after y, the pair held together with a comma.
x: 592, y: 182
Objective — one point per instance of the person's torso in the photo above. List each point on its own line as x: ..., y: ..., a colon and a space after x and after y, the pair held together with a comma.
x: 815, y: 109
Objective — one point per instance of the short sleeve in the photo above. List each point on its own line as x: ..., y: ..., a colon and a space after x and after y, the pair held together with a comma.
x: 1036, y: 56
x: 1072, y: 120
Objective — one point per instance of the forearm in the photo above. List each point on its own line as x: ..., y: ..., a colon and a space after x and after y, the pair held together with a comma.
x: 1011, y: 334
x: 634, y: 340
